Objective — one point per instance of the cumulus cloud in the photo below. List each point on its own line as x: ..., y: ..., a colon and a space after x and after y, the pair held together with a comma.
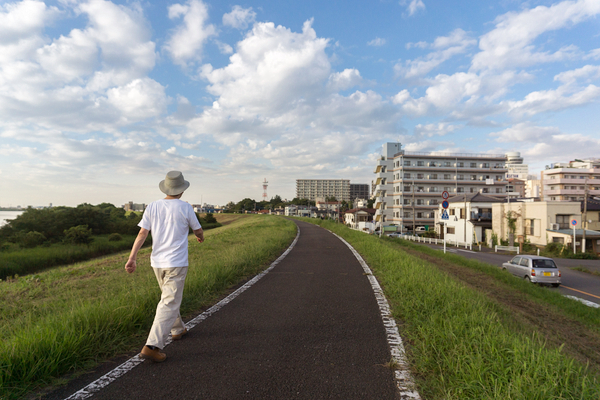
x: 187, y: 40
x: 239, y: 18
x: 510, y: 43
x: 346, y: 79
x: 438, y: 129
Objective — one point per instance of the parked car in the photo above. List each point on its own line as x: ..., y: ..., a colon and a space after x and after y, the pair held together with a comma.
x: 535, y: 269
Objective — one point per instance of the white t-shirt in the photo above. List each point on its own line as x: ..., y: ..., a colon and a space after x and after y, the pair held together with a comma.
x: 168, y: 221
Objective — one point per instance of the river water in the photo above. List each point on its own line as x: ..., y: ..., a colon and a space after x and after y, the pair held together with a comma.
x: 8, y: 215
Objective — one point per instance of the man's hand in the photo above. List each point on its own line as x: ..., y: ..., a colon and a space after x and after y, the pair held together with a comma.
x: 199, y: 235
x: 130, y: 266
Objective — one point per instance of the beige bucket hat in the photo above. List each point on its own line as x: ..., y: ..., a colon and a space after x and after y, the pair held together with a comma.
x: 173, y: 184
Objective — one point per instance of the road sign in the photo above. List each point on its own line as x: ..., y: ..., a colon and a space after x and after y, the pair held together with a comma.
x: 573, y: 222
x: 445, y: 214
x: 445, y: 204
x: 445, y: 195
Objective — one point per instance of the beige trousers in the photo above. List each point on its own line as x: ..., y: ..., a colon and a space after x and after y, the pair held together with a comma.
x: 167, y: 318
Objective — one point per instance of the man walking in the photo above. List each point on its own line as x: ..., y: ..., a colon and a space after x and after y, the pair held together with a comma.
x: 169, y: 220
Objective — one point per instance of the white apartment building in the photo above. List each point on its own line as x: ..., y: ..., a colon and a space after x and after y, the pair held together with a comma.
x: 515, y: 167
x: 569, y: 181
x: 409, y: 185
x: 312, y: 188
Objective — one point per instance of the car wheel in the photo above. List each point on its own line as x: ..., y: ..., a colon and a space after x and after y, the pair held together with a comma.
x: 555, y: 284
x: 527, y: 278
x: 504, y: 269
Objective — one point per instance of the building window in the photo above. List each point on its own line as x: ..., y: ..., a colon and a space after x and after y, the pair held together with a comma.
x: 473, y: 177
x: 484, y: 190
x: 473, y: 165
x: 433, y: 176
x: 407, y: 163
x: 406, y: 214
x: 433, y: 202
x: 447, y: 177
x: 472, y: 190
x: 432, y: 164
x: 558, y: 240
x: 419, y: 215
x: 420, y: 202
x: 461, y: 190
x: 562, y: 221
x: 460, y: 164
x: 529, y: 224
x: 498, y: 190
x: 406, y: 175
x: 407, y: 188
x: 450, y: 230
x: 461, y: 177
x: 406, y: 202
x: 420, y: 163
x: 452, y: 211
x: 420, y: 176
x: 420, y: 188
x: 447, y: 164
x: 486, y: 165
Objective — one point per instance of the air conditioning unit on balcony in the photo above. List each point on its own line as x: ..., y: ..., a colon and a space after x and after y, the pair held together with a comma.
x: 554, y: 227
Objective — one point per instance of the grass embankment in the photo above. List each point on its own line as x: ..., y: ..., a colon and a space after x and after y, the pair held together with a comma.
x: 28, y: 261
x: 472, y: 332
x: 69, y: 318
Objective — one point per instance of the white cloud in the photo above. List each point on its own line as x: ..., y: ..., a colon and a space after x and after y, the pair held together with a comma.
x: 439, y: 129
x: 552, y: 100
x: 525, y: 132
x: 413, y: 6
x: 588, y: 73
x: 445, y: 47
x: 239, y: 18
x: 346, y: 79
x: 186, y: 42
x: 377, y: 42
x: 510, y: 44
x: 139, y: 100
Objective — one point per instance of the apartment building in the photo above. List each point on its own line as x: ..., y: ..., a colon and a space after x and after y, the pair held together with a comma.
x: 312, y: 189
x: 409, y: 185
x: 515, y: 169
x: 570, y: 181
x: 359, y: 191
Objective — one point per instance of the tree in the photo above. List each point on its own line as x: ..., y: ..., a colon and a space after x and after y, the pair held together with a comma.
x: 370, y: 203
x: 79, y: 234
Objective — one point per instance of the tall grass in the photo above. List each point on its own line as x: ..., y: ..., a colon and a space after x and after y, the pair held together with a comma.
x: 28, y: 261
x: 70, y: 318
x: 461, y: 344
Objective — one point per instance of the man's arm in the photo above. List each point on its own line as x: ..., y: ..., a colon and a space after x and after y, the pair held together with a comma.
x: 137, y: 245
x: 199, y: 235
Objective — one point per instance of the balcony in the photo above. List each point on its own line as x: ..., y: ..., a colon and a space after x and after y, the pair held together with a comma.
x: 486, y: 216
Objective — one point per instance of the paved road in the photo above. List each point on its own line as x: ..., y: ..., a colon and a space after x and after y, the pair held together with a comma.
x: 574, y: 283
x: 309, y: 329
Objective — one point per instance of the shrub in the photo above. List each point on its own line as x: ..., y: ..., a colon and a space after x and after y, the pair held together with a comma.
x: 79, y: 234
x: 115, y: 237
x: 32, y: 239
x: 210, y: 218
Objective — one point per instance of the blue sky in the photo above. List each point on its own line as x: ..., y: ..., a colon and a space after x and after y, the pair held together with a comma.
x: 99, y: 99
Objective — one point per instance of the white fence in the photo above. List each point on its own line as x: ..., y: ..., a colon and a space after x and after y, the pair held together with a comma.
x: 508, y: 248
x: 420, y: 239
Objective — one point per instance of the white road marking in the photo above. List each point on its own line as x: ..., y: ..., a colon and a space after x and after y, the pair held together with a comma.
x: 404, y: 380
x: 133, y: 362
x: 586, y: 302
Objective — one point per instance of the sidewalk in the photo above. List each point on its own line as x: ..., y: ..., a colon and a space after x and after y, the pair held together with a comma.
x: 309, y: 329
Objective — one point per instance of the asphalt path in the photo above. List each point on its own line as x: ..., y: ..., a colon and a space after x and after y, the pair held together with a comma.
x: 309, y: 329
x: 574, y: 283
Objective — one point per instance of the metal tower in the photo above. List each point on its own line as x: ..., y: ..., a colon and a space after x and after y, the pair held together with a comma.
x: 265, y: 184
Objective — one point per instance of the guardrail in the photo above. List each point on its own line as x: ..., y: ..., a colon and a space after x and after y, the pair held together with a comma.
x: 506, y: 248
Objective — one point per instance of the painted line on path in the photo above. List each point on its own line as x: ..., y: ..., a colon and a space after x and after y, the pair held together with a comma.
x: 581, y: 291
x: 404, y: 380
x: 133, y: 362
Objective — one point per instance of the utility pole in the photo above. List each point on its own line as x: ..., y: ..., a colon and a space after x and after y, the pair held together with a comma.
x: 584, y: 222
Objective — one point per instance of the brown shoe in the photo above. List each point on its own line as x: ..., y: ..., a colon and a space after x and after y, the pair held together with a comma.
x: 154, y: 355
x: 182, y: 334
